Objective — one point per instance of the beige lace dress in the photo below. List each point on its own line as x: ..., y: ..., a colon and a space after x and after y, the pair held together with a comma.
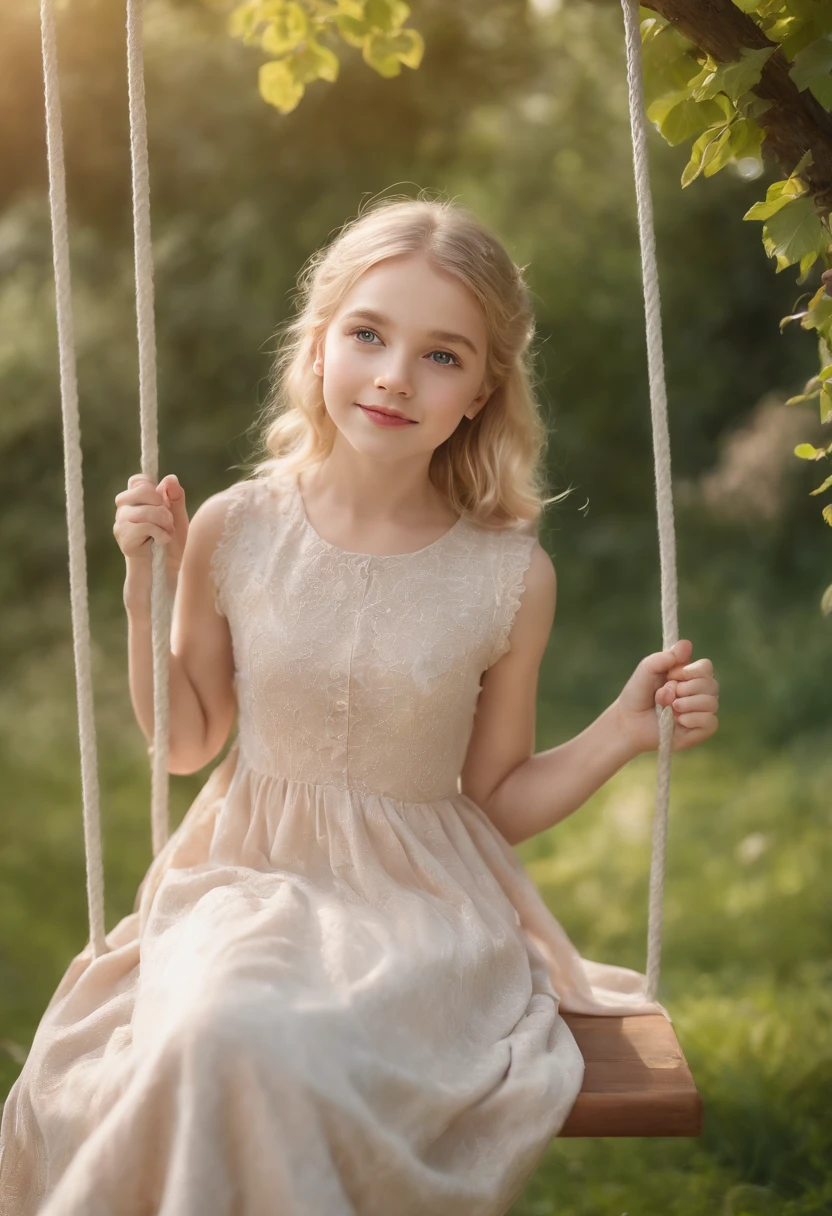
x: 338, y: 991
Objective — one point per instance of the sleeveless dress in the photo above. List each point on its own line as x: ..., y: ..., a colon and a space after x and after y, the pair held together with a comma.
x: 338, y: 992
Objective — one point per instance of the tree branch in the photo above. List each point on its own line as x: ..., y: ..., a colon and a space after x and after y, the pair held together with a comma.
x: 795, y: 121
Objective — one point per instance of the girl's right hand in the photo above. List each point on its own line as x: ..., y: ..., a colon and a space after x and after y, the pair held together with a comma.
x: 146, y: 512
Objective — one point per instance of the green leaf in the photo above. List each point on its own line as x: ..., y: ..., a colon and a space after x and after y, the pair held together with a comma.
x: 721, y: 152
x: 823, y: 487
x: 278, y: 85
x: 827, y: 514
x: 745, y: 139
x: 681, y: 119
x: 386, y: 53
x: 794, y: 231
x: 806, y: 264
x: 807, y: 159
x: 752, y: 106
x: 678, y: 117
x: 826, y: 403
x: 785, y: 29
x: 668, y: 62
x: 243, y: 20
x: 826, y: 601
x: 733, y: 78
x: 286, y: 31
x: 354, y: 30
x: 700, y: 152
x: 314, y: 62
x: 812, y: 69
x: 819, y: 314
x: 778, y: 195
x: 807, y: 451
x: 386, y: 15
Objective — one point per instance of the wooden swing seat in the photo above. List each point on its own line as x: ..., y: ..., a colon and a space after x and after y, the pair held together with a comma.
x: 637, y: 1081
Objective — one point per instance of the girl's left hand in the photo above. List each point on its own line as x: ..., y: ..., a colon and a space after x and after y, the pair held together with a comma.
x: 669, y: 678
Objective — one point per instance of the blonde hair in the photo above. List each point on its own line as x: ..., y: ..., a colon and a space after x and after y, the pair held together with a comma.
x: 491, y: 468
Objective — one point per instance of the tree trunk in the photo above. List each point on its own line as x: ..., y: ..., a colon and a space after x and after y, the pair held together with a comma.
x: 795, y: 121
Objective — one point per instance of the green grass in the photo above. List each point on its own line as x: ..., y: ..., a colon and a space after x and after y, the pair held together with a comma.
x: 746, y: 976
x: 746, y: 964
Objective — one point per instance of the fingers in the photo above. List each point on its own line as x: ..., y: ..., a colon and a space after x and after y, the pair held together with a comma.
x: 172, y: 489
x: 144, y: 514
x: 703, y: 703
x: 706, y: 723
x: 662, y: 660
x: 162, y: 516
x: 140, y: 489
x: 690, y: 688
x: 701, y: 667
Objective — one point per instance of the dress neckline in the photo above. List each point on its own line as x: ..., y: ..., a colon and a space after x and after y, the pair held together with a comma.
x: 293, y: 482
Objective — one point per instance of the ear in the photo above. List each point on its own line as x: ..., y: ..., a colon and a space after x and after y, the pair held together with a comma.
x: 477, y: 404
x: 318, y: 360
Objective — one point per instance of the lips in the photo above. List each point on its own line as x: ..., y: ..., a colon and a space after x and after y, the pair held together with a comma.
x: 376, y: 409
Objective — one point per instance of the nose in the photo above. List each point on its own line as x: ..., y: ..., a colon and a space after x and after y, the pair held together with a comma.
x: 394, y: 379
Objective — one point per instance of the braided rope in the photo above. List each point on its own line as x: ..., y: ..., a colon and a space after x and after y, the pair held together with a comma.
x: 79, y: 603
x: 78, y: 588
x: 160, y: 601
x: 664, y: 491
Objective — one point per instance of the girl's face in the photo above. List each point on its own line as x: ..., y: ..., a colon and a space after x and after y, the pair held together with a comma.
x: 407, y: 338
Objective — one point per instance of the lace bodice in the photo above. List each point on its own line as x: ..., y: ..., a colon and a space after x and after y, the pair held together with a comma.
x: 353, y: 670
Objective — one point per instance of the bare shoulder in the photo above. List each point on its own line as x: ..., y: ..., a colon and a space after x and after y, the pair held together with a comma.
x: 533, y: 623
x: 210, y: 515
x: 207, y: 526
x: 540, y: 578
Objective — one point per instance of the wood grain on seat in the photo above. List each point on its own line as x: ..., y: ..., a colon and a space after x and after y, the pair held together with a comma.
x: 637, y: 1082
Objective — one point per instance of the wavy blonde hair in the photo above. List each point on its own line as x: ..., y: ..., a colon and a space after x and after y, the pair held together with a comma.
x: 491, y: 468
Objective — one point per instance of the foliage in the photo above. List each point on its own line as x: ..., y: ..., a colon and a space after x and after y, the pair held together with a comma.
x: 292, y: 31
x: 691, y: 96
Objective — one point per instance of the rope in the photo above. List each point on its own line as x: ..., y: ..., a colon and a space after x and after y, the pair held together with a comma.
x: 73, y: 460
x: 664, y: 492
x: 78, y: 591
x: 160, y: 605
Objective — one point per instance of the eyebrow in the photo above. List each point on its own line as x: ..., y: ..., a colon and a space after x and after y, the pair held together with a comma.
x: 443, y: 335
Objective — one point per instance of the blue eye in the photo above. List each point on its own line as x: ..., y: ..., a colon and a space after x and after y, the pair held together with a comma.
x: 364, y: 330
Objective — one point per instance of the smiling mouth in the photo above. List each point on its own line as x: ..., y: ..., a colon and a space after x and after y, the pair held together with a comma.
x: 384, y: 413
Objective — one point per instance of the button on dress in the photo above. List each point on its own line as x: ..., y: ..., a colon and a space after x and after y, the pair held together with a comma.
x: 338, y: 992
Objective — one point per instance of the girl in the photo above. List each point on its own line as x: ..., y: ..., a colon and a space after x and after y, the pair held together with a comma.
x: 339, y: 990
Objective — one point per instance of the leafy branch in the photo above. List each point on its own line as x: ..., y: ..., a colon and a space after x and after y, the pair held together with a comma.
x: 295, y: 34
x: 741, y: 80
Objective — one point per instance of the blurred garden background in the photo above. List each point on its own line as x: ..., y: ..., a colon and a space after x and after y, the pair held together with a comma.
x: 518, y: 110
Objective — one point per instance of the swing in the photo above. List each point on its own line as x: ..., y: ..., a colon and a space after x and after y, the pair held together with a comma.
x: 636, y: 1082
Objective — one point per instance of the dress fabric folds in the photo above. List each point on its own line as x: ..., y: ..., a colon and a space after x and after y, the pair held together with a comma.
x: 339, y: 991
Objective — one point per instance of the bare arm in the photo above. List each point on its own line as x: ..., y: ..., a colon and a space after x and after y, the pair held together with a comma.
x: 186, y: 716
x: 551, y: 785
x: 202, y: 699
x: 521, y: 791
